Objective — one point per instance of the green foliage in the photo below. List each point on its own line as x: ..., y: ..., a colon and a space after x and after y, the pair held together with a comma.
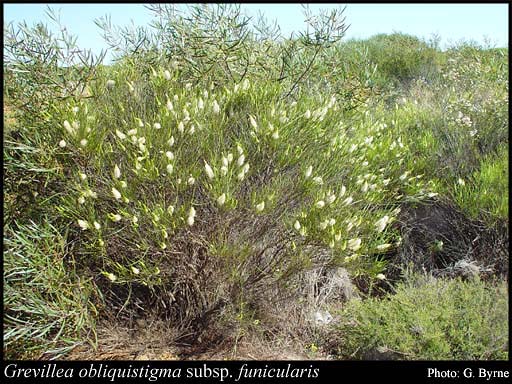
x: 47, y: 305
x: 482, y: 194
x: 429, y: 319
x: 42, y: 67
x: 400, y: 58
x: 215, y: 163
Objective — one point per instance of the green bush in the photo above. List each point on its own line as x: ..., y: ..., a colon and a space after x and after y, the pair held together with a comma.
x: 401, y: 58
x: 47, y: 305
x: 429, y: 319
x: 200, y: 180
x: 484, y: 194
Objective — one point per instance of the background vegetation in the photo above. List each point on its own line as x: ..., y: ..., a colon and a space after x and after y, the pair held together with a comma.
x: 226, y: 179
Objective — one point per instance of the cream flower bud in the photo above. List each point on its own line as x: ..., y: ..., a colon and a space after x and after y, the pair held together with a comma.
x: 241, y: 160
x: 221, y: 199
x: 191, y: 216
x: 404, y: 176
x: 348, y: 200
x: 296, y: 225
x: 110, y: 84
x: 253, y: 122
x: 318, y: 180
x: 224, y: 170
x: 135, y: 271
x: 200, y: 103
x: 309, y: 171
x: 170, y: 169
x: 115, y: 217
x: 209, y: 170
x: 62, y: 144
x: 381, y: 223
x: 225, y: 161
x: 216, y: 108
x: 83, y: 224
x: 68, y: 127
x: 230, y: 158
x: 112, y: 277
x: 116, y: 193
x: 167, y: 75
x: 157, y: 126
x: 383, y: 247
x: 97, y: 225
x: 191, y: 181
x: 117, y: 172
x: 354, y: 244
x: 181, y: 127
x: 169, y: 155
x: 169, y: 105
x: 381, y: 276
x: 171, y: 141
x: 81, y: 200
x: 320, y: 204
x: 307, y: 114
x: 83, y: 142
x: 120, y: 134
x: 260, y: 207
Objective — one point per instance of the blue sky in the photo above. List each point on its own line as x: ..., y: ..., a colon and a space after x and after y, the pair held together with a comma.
x: 452, y: 22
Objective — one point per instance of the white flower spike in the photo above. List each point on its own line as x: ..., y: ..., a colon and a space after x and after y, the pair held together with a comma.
x: 116, y: 193
x: 83, y: 224
x: 221, y: 199
x: 209, y: 170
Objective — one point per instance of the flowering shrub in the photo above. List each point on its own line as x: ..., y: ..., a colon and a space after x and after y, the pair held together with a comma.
x: 204, y: 187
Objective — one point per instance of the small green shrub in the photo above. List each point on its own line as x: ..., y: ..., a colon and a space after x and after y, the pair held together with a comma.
x: 213, y: 165
x: 485, y: 193
x: 400, y: 58
x: 47, y: 305
x: 428, y: 319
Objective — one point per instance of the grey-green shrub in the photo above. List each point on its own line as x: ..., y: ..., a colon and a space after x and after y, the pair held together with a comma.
x: 429, y: 319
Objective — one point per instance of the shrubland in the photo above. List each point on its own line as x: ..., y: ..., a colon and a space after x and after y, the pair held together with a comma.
x: 233, y: 183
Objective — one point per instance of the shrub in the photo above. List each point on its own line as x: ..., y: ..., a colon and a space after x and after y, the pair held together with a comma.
x: 401, y: 58
x: 426, y: 319
x: 484, y: 194
x: 206, y: 183
x: 48, y: 306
